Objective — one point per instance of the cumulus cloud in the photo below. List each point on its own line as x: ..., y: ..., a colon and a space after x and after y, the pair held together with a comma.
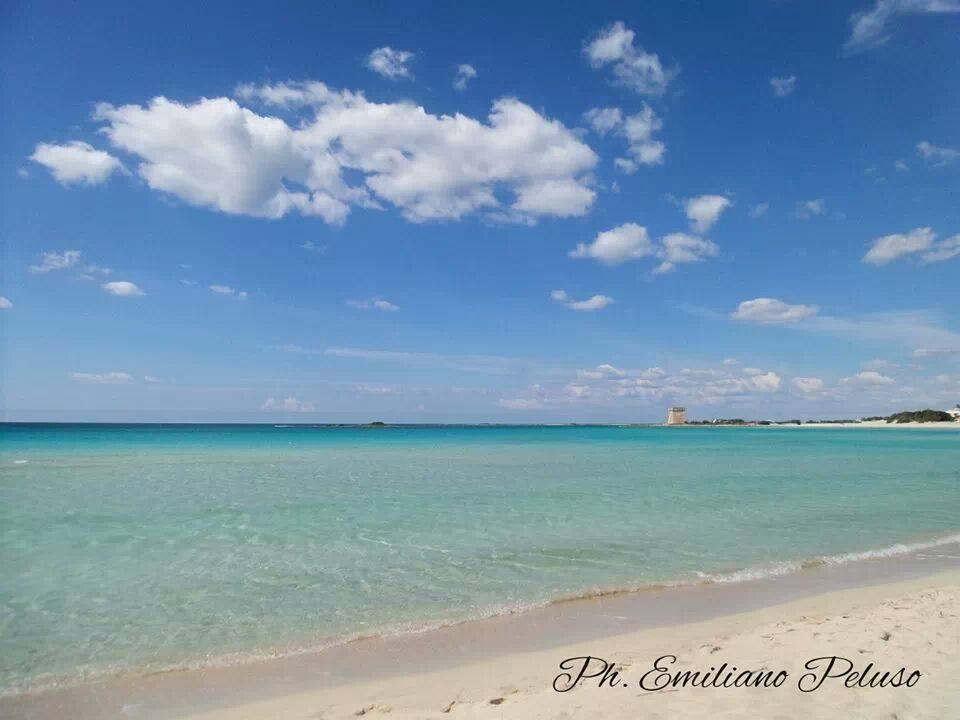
x: 637, y: 129
x: 759, y: 210
x: 937, y: 155
x: 705, y: 210
x: 631, y: 242
x: 810, y: 208
x: 614, y: 247
x: 215, y: 153
x: 465, y: 73
x: 783, y: 86
x: 123, y: 288
x: 374, y: 303
x: 890, y: 247
x: 679, y: 248
x: 607, y: 385
x: 595, y: 302
x: 107, y: 378
x: 76, y: 162
x: 922, y: 240
x: 52, y: 260
x: 770, y: 311
x: 290, y: 404
x: 868, y: 28
x: 868, y: 378
x: 631, y: 66
x: 390, y: 63
x: 604, y: 120
x: 765, y: 382
x: 808, y: 385
x: 5, y: 303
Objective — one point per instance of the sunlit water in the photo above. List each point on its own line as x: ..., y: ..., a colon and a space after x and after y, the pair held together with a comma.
x: 132, y: 548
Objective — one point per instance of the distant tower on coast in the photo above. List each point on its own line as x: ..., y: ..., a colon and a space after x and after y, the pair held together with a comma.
x: 676, y: 416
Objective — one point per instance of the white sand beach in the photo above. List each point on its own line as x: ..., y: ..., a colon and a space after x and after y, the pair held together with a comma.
x: 874, y: 616
x: 913, y: 624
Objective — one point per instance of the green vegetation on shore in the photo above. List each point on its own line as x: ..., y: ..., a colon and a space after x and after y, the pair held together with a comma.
x: 921, y: 416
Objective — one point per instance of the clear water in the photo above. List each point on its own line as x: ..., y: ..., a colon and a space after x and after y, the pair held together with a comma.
x: 131, y: 548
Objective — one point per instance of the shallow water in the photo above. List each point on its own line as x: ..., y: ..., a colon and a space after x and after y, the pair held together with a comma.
x: 131, y: 548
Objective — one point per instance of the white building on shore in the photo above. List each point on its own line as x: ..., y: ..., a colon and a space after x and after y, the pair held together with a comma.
x: 676, y: 416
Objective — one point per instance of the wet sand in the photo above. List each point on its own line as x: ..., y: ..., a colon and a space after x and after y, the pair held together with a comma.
x: 517, y: 655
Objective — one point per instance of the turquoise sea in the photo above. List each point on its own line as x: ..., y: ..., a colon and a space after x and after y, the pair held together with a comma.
x: 130, y: 548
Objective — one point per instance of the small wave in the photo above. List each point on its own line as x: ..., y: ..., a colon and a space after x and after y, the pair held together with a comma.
x: 760, y: 572
x: 791, y: 566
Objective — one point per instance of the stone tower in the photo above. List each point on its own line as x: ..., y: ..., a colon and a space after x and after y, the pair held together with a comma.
x: 676, y: 416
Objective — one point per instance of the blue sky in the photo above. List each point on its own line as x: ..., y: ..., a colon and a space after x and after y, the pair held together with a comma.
x: 441, y: 212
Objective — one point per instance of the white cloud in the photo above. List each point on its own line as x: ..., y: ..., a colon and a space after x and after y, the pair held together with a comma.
x: 868, y: 28
x: 604, y: 120
x: 613, y: 247
x: 933, y: 352
x: 217, y: 154
x: 601, y: 371
x: 705, y: 210
x: 678, y: 248
x: 5, y: 303
x: 227, y: 290
x: 810, y: 208
x: 290, y: 94
x: 122, y: 288
x: 943, y: 250
x: 51, y: 260
x: 783, y: 86
x: 631, y: 241
x: 937, y: 155
x: 765, y: 382
x: 633, y: 68
x: 610, y: 386
x: 808, y: 385
x: 919, y: 240
x: 390, y: 63
x: 107, y: 378
x: 311, y: 246
x: 76, y: 162
x: 465, y: 73
x: 901, y: 166
x: 596, y: 302
x: 520, y: 403
x: 151, y: 379
x: 637, y: 129
x: 770, y: 311
x: 759, y: 210
x: 373, y: 303
x: 290, y: 404
x: 868, y: 377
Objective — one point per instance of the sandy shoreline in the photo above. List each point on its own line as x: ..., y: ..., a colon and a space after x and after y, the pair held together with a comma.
x: 913, y: 624
x: 894, y: 612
